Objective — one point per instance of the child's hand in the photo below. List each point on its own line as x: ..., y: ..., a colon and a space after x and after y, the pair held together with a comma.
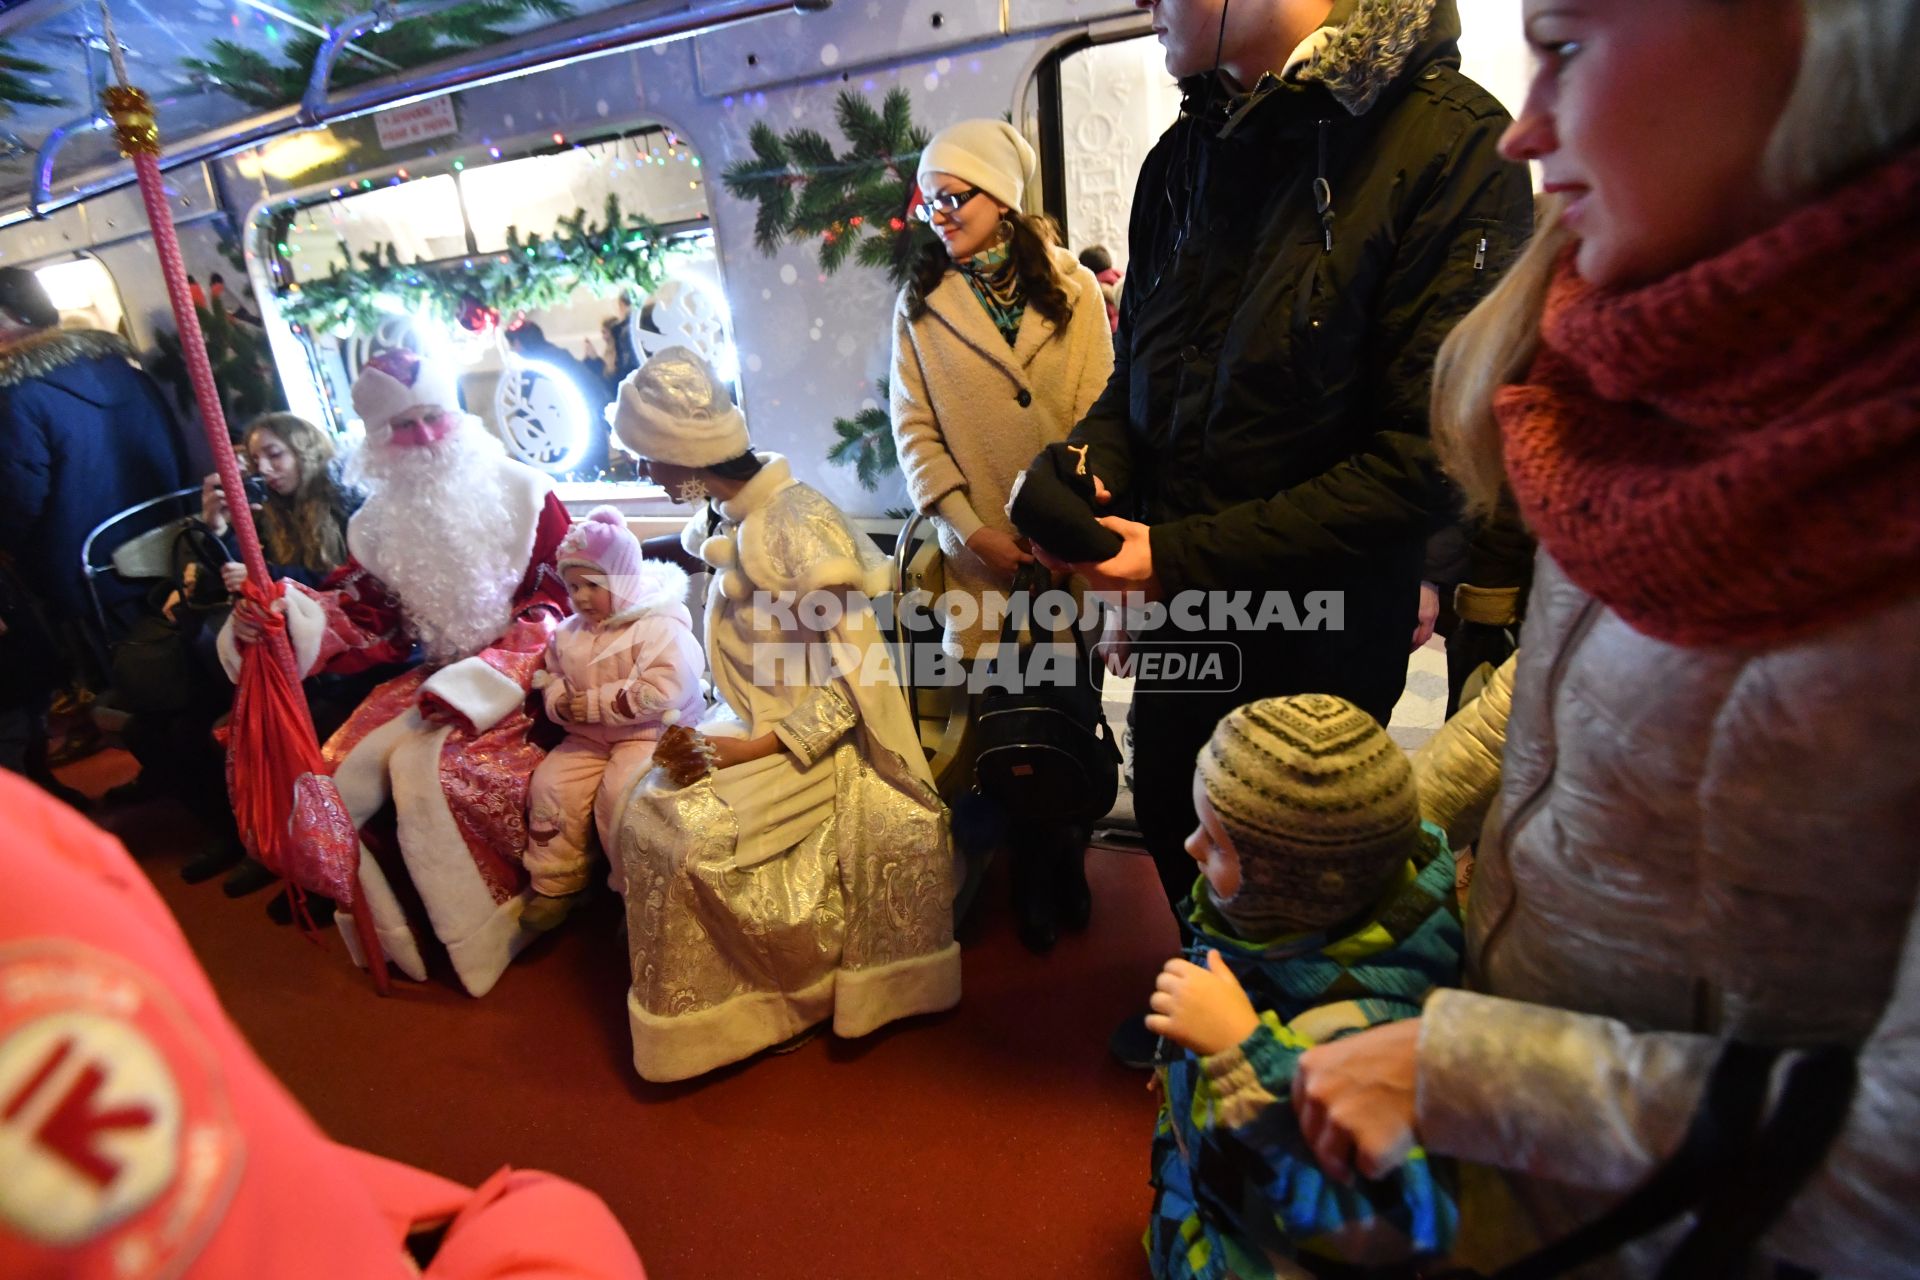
x: 1205, y: 1010
x: 577, y: 707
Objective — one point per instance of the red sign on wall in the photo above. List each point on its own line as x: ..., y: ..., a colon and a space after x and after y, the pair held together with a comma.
x: 416, y: 122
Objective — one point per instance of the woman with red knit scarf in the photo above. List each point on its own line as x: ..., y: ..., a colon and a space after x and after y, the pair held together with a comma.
x: 1702, y: 386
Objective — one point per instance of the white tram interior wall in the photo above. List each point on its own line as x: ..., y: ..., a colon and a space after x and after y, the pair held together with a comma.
x: 810, y: 344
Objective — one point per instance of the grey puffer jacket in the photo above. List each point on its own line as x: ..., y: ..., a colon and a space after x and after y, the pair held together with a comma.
x: 1689, y: 844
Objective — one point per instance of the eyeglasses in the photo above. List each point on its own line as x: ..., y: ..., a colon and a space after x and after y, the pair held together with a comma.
x: 946, y: 202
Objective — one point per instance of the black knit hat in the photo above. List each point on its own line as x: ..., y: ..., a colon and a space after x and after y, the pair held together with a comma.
x: 23, y: 297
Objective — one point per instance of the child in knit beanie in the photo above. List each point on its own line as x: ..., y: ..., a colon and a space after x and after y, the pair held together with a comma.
x: 619, y: 672
x: 1323, y: 905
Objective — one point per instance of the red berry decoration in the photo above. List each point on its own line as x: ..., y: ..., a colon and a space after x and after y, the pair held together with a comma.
x: 476, y: 316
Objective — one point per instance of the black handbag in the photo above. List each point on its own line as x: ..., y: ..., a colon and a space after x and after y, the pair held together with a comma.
x: 152, y: 666
x: 1045, y: 753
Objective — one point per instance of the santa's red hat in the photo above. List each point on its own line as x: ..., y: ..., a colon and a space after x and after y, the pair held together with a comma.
x: 398, y: 380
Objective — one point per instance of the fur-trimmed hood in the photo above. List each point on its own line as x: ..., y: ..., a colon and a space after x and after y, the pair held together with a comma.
x: 35, y: 355
x: 659, y: 587
x: 1364, y: 48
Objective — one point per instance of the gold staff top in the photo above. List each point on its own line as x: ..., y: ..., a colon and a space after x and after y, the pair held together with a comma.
x: 134, y: 125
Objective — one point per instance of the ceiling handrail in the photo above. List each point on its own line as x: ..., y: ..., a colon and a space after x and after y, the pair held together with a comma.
x: 383, y: 15
x: 432, y: 82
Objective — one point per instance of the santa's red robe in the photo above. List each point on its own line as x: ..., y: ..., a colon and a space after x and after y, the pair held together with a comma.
x: 458, y: 780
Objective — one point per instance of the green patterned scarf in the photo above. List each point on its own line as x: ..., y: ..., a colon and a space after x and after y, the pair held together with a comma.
x: 996, y: 283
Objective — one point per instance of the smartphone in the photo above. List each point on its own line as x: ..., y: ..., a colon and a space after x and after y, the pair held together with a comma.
x: 256, y: 487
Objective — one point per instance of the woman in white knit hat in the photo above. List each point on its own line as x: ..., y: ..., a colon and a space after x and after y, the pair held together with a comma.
x: 790, y: 862
x: 1000, y: 345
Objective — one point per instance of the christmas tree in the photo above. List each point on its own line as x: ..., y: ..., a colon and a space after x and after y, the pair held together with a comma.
x: 243, y: 368
x: 854, y: 204
x: 261, y: 80
x: 866, y: 443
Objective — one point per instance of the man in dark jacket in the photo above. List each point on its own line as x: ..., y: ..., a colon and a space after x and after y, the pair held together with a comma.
x: 1328, y: 205
x: 83, y: 434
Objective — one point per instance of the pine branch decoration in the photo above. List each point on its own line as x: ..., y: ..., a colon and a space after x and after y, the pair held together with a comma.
x: 16, y: 87
x: 621, y: 251
x: 866, y: 443
x: 267, y: 81
x: 853, y: 205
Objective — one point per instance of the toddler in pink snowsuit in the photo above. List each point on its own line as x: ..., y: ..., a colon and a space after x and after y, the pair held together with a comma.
x: 618, y: 672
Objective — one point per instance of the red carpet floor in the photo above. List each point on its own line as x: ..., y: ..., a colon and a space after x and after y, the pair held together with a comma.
x: 994, y: 1141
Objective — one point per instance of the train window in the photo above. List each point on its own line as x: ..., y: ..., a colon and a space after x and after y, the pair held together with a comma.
x: 421, y: 219
x: 652, y: 173
x: 84, y: 293
x: 542, y: 378
x: 1113, y: 101
x: 1103, y: 106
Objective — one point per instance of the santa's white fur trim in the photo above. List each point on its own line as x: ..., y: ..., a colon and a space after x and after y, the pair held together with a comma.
x: 735, y: 586
x: 398, y: 945
x: 477, y: 691
x: 683, y: 1046
x: 867, y: 999
x: 719, y: 552
x: 481, y: 936
x: 306, y: 627
x: 362, y: 781
x: 379, y: 397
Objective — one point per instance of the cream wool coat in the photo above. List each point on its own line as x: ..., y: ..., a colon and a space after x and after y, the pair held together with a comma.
x: 970, y: 412
x: 1688, y: 844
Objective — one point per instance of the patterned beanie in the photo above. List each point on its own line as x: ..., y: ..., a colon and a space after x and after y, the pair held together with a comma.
x: 1320, y: 805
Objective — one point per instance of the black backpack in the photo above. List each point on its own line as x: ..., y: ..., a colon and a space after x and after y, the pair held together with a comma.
x: 1046, y: 753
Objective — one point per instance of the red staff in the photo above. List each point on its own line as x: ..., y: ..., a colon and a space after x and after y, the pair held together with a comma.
x: 271, y: 741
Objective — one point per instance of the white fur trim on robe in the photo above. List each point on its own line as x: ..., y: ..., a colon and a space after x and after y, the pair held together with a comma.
x: 477, y: 690
x: 306, y: 626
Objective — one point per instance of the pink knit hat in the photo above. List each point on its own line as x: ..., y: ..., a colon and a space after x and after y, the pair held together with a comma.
x: 602, y: 542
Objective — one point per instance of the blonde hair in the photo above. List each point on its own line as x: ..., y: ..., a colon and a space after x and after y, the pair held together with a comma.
x: 1854, y: 102
x: 303, y: 529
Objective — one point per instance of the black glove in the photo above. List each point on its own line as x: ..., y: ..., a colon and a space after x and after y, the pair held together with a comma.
x: 1053, y: 505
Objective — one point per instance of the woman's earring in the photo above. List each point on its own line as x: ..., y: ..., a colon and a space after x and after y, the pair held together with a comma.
x: 690, y: 492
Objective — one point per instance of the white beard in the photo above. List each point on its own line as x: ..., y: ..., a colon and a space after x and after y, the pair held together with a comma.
x: 436, y: 533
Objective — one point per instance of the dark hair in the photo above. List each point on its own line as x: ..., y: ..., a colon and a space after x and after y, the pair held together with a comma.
x: 744, y: 467
x: 1032, y: 260
x: 1096, y: 259
x: 527, y: 331
x: 23, y: 297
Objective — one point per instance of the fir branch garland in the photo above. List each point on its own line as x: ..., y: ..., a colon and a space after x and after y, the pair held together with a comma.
x: 622, y: 251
